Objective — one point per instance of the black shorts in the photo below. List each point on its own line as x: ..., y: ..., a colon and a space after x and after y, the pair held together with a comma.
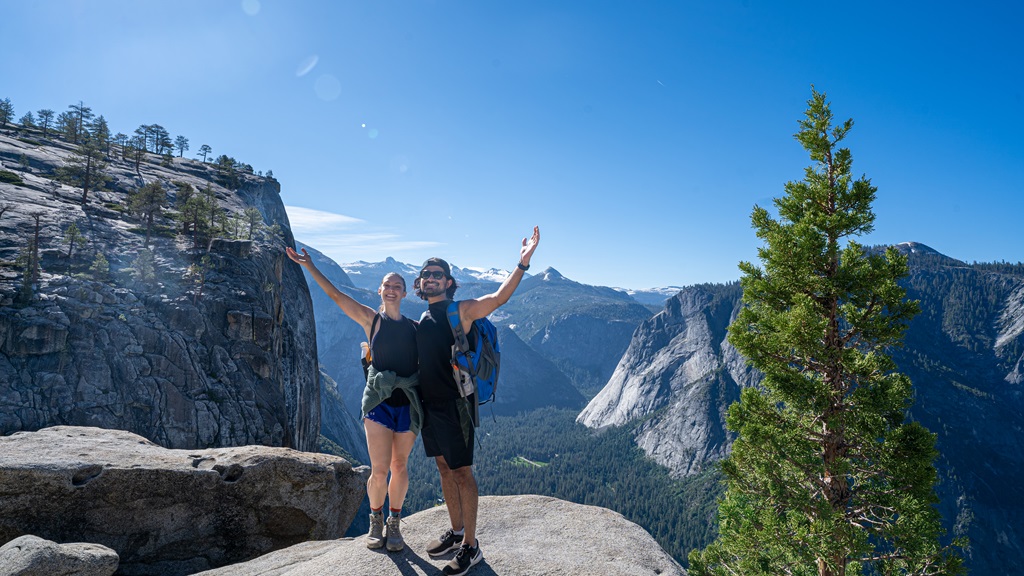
x: 442, y: 434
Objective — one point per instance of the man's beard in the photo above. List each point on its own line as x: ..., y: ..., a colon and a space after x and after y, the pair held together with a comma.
x: 432, y: 289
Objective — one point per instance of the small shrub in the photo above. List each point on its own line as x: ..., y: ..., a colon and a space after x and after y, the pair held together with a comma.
x: 8, y: 177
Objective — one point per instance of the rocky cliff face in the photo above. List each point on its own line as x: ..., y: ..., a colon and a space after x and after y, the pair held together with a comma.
x: 188, y: 347
x: 677, y: 378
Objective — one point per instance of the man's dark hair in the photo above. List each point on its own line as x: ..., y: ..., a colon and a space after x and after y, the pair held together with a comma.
x: 450, y: 292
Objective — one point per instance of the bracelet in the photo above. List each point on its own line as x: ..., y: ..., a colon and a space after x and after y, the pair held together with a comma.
x: 522, y: 267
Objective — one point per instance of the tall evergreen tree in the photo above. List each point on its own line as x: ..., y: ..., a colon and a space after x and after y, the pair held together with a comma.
x: 205, y: 150
x: 28, y: 120
x: 83, y: 117
x: 121, y: 139
x: 181, y: 143
x: 136, y: 150
x: 74, y: 238
x: 161, y: 139
x: 147, y: 202
x: 67, y: 126
x: 85, y: 168
x: 826, y: 476
x: 100, y: 133
x: 6, y: 112
x: 45, y: 120
x: 194, y: 216
x: 144, y: 135
x: 253, y: 219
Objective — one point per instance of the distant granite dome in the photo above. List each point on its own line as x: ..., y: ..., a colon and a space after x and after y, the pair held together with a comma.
x: 916, y: 248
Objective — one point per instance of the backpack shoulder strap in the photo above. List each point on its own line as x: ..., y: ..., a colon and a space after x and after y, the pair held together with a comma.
x: 373, y: 327
x: 455, y: 321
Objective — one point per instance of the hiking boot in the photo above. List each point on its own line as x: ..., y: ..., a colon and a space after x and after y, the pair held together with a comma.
x: 395, y: 541
x: 375, y: 538
x: 446, y: 543
x: 464, y: 560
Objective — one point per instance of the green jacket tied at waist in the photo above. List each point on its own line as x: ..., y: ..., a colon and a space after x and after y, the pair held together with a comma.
x: 380, y: 385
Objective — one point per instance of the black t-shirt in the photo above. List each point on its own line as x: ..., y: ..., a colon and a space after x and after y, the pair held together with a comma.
x: 394, y: 348
x: 434, y: 341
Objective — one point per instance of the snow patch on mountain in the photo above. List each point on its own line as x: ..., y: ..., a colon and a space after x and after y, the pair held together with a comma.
x: 652, y: 296
x: 368, y: 274
x: 488, y: 274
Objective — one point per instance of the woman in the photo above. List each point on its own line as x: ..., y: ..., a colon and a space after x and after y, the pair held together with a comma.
x: 391, y: 405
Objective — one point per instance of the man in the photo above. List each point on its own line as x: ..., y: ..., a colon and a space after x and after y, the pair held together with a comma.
x: 448, y: 427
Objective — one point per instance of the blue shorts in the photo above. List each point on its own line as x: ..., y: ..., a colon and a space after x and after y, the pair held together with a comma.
x: 394, y: 418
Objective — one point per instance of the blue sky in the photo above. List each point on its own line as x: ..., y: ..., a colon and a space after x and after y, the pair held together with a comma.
x: 637, y: 135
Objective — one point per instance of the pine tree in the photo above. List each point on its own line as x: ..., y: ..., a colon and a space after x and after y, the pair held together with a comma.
x: 826, y: 476
x: 205, y: 150
x: 136, y: 150
x: 82, y: 115
x: 253, y: 219
x: 100, y: 268
x: 45, y: 119
x: 85, y: 168
x: 147, y: 202
x: 198, y: 215
x: 143, y: 134
x: 28, y: 120
x: 73, y: 237
x: 161, y: 139
x: 144, y: 266
x: 67, y: 125
x: 181, y: 144
x: 6, y: 112
x: 101, y: 134
x: 121, y: 139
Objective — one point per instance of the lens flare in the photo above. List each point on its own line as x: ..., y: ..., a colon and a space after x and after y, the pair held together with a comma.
x: 327, y: 87
x: 251, y: 7
x: 307, y: 66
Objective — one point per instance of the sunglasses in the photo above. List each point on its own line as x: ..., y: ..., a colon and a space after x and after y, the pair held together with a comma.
x: 435, y: 274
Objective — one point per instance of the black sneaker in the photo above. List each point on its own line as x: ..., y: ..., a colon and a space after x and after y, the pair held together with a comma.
x: 446, y: 543
x: 464, y: 560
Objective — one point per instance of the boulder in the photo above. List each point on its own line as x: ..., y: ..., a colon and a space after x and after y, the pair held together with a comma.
x: 535, y: 535
x: 167, y: 511
x: 34, y: 556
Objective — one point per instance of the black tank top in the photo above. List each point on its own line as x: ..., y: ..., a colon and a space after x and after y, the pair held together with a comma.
x: 434, y: 341
x: 394, y: 348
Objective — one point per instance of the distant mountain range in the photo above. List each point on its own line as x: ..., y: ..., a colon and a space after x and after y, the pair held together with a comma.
x: 670, y: 374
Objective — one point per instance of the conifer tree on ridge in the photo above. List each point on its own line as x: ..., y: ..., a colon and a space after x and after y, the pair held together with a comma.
x: 826, y: 477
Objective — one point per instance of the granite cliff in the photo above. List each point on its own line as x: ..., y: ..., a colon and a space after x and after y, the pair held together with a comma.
x: 205, y: 338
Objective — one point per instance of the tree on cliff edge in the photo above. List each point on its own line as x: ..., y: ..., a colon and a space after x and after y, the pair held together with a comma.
x: 147, y: 202
x: 6, y: 112
x: 826, y: 476
x: 85, y: 168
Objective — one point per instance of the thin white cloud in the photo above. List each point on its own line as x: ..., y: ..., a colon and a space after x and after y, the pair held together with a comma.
x: 347, y: 239
x: 308, y: 220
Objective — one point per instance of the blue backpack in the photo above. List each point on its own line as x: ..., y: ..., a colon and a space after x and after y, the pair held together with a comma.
x: 476, y: 369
